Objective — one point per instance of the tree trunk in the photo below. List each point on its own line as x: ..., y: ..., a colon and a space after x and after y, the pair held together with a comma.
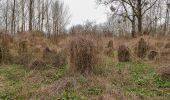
x: 30, y: 14
x: 166, y: 22
x: 13, y: 18
x: 133, y: 26
x: 6, y: 19
x: 139, y: 16
x: 42, y: 18
x: 22, y: 26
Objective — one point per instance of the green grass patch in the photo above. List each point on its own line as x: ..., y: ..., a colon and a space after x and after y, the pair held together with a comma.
x: 55, y: 75
x: 68, y: 93
x: 13, y: 75
x: 142, y: 80
x: 17, y: 82
x: 128, y: 77
x: 92, y: 90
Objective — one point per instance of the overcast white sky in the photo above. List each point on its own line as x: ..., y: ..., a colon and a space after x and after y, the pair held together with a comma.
x: 82, y: 10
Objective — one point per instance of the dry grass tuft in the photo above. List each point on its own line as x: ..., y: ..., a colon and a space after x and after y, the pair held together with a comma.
x: 123, y: 54
x: 6, y: 37
x: 142, y: 48
x: 167, y: 46
x: 1, y: 54
x: 54, y: 59
x: 37, y: 64
x: 23, y: 47
x: 24, y: 56
x: 152, y: 55
x: 109, y: 50
x: 47, y: 51
x: 82, y: 55
x: 110, y: 44
x: 5, y: 41
x: 164, y: 72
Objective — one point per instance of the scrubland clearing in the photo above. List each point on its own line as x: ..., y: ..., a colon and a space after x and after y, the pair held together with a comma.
x: 84, y: 67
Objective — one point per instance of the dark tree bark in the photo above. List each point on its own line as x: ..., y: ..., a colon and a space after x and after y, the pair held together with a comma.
x: 139, y: 16
x: 30, y: 14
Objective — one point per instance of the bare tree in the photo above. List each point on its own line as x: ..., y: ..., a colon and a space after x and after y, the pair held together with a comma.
x: 23, y: 3
x: 6, y: 15
x: 132, y: 9
x: 30, y: 14
x: 13, y: 18
x: 60, y: 17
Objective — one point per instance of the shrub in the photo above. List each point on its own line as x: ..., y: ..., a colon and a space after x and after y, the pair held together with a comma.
x: 165, y: 52
x: 142, y: 48
x: 23, y: 48
x: 23, y: 56
x: 82, y: 55
x: 167, y: 45
x: 37, y: 64
x: 6, y: 57
x: 164, y: 72
x: 110, y: 44
x: 123, y: 54
x: 1, y: 54
x: 59, y: 60
x: 152, y: 55
x: 4, y: 46
x: 46, y: 52
x: 6, y: 38
x: 23, y: 59
x: 55, y: 59
x: 109, y: 50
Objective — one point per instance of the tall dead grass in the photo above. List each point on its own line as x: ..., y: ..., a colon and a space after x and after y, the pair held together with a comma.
x: 82, y: 55
x: 142, y: 48
x: 123, y: 53
x: 1, y: 53
x: 5, y: 41
x: 164, y: 72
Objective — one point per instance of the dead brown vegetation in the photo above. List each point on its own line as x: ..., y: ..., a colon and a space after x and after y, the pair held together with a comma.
x: 167, y: 46
x: 55, y: 59
x: 1, y: 54
x: 47, y: 51
x: 123, y: 53
x: 142, y: 48
x: 7, y: 38
x: 164, y: 72
x: 109, y: 49
x: 152, y: 55
x: 5, y: 41
x: 110, y: 44
x: 109, y: 52
x: 37, y: 64
x: 23, y: 47
x: 82, y: 55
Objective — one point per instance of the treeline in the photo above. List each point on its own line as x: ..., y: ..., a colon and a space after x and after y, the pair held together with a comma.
x: 138, y: 17
x: 125, y: 17
x: 131, y: 18
x: 49, y: 16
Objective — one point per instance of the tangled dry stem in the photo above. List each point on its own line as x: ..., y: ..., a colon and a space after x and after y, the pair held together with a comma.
x: 82, y: 55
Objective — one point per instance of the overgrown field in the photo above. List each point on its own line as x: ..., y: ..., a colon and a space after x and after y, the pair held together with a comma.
x: 83, y: 69
x: 110, y: 81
